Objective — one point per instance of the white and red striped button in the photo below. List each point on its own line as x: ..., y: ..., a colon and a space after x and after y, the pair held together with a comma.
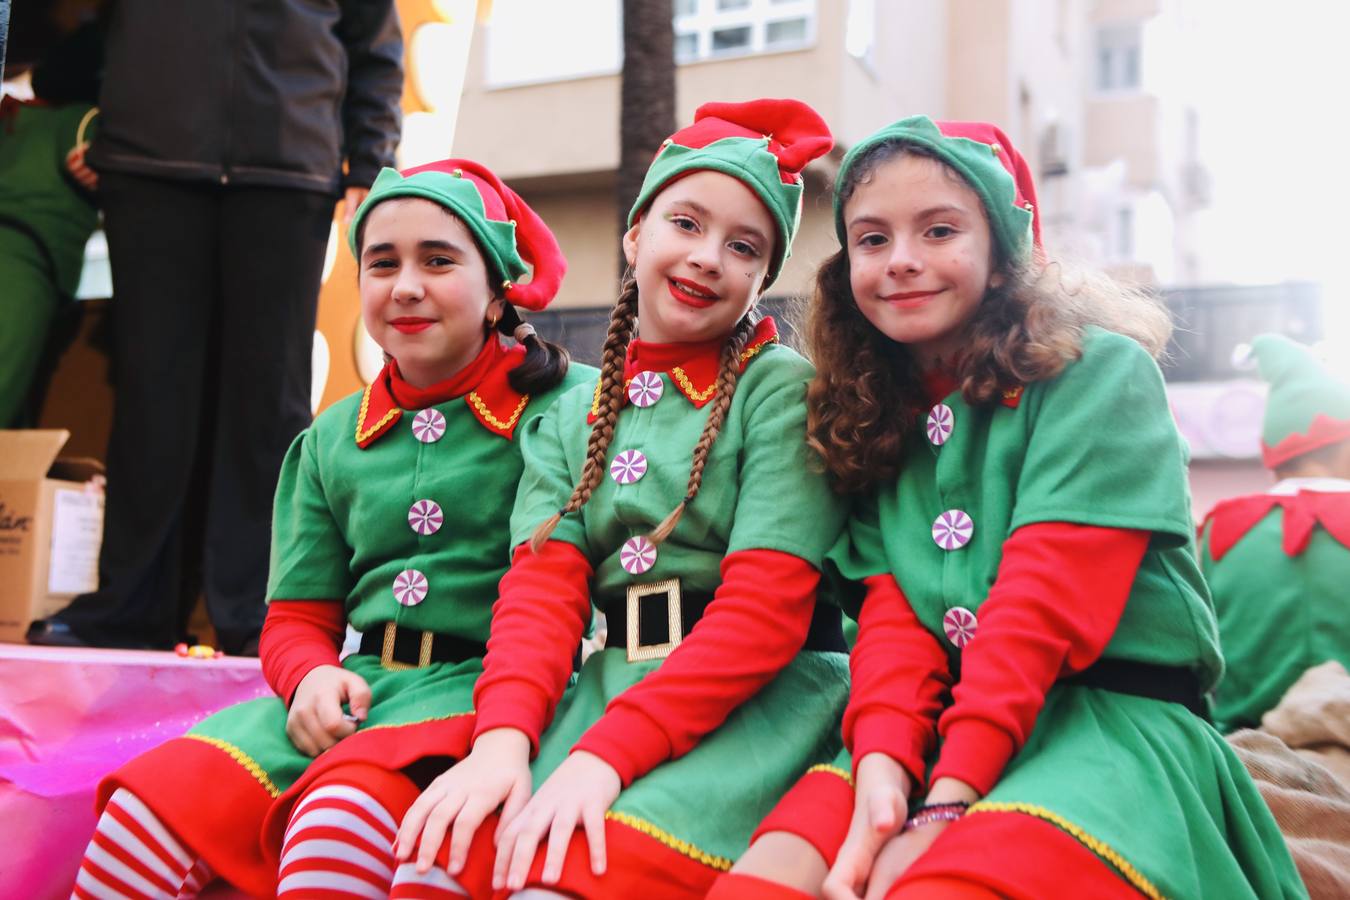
x: 628, y: 467
x: 425, y: 517
x: 960, y: 625
x: 637, y: 555
x: 952, y: 529
x: 645, y: 389
x: 428, y: 426
x: 939, y: 426
x: 410, y: 587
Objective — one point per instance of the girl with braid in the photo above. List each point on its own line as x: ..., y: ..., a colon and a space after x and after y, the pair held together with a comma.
x: 391, y: 516
x: 1027, y: 715
x: 678, y: 496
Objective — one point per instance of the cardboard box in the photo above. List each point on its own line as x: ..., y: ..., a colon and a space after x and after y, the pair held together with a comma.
x: 51, y: 527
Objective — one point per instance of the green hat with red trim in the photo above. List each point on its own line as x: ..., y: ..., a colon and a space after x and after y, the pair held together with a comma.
x: 509, y: 234
x: 984, y: 157
x: 764, y: 144
x: 1307, y: 407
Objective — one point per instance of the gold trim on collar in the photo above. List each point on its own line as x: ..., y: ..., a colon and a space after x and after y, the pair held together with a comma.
x: 362, y: 436
x: 492, y: 420
x: 687, y: 386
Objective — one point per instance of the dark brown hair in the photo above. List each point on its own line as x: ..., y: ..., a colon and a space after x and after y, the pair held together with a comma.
x: 868, y: 389
x: 609, y: 402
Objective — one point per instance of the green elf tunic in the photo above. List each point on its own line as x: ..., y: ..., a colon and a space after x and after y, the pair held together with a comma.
x: 762, y: 491
x: 1146, y: 785
x: 1277, y: 564
x: 403, y: 515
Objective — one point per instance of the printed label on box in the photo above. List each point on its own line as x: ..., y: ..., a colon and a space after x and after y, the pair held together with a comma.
x: 77, y: 534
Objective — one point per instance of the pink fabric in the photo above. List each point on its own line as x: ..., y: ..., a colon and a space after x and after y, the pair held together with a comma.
x: 69, y: 717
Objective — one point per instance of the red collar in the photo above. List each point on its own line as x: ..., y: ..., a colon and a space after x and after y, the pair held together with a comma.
x: 482, y: 383
x: 692, y: 366
x: 941, y: 382
x: 1230, y: 520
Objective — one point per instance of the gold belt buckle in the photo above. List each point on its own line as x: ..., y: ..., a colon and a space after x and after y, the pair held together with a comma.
x: 387, y: 660
x: 638, y: 652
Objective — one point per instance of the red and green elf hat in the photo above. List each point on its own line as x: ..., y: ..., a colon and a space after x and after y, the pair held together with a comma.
x: 509, y: 234
x: 765, y: 144
x: 1307, y: 406
x: 981, y: 154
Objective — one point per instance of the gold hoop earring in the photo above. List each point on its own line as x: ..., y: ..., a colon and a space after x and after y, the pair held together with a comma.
x: 492, y: 322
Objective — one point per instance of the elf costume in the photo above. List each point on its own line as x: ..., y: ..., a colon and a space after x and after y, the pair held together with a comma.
x: 707, y: 735
x: 391, y: 517
x: 1278, y: 563
x: 1035, y: 624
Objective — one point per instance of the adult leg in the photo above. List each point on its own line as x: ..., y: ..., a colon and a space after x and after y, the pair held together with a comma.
x: 134, y: 855
x: 161, y: 236
x: 271, y: 248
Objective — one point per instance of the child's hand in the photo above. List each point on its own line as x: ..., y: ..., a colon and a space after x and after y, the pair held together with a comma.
x: 879, y: 809
x: 495, y: 773
x: 579, y: 792
x: 316, y: 721
x: 84, y: 176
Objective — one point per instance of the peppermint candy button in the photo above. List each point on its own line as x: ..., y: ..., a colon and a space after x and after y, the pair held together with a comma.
x: 940, y: 420
x: 425, y: 517
x: 645, y: 388
x: 952, y: 529
x: 960, y: 625
x: 628, y: 467
x: 637, y: 555
x: 410, y: 587
x: 428, y: 426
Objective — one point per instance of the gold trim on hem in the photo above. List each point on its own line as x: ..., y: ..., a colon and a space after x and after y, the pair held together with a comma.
x: 1097, y: 846
x: 833, y: 770
x: 721, y: 863
x: 249, y: 763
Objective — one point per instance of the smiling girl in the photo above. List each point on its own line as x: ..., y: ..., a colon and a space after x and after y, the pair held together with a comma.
x: 679, y: 497
x: 1026, y: 543
x: 391, y: 517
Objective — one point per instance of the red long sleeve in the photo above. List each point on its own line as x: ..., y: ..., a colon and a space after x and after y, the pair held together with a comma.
x: 900, y: 674
x: 297, y: 637
x: 764, y: 593
x: 1054, y: 606
x: 542, y: 608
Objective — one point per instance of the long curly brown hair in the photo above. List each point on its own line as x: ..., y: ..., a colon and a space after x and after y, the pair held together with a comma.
x: 869, y: 390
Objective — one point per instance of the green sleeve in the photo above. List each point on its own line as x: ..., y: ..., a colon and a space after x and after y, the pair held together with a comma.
x: 860, y: 552
x: 548, y: 480
x: 784, y: 501
x: 311, y: 559
x: 1103, y: 448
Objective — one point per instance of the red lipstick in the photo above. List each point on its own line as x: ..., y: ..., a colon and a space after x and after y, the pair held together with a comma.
x: 691, y: 293
x: 910, y: 299
x: 412, y: 324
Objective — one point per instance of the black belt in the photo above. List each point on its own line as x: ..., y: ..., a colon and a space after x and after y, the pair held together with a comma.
x: 411, y: 649
x: 1124, y: 676
x: 826, y: 633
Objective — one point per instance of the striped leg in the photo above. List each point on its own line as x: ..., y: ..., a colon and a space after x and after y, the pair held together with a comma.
x: 134, y: 856
x: 340, y: 837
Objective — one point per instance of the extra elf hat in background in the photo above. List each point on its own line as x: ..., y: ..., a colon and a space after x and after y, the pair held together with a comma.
x: 765, y: 144
x: 509, y: 234
x: 1307, y: 407
x: 982, y: 155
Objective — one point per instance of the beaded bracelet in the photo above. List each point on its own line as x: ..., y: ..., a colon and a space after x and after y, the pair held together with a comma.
x: 929, y: 813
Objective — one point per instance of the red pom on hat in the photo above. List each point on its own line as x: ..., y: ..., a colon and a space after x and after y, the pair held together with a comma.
x: 1007, y: 154
x: 535, y: 243
x: 796, y: 132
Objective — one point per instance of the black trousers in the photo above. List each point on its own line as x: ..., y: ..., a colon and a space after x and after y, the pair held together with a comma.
x: 215, y: 295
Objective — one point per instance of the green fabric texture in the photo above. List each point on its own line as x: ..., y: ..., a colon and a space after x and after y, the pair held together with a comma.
x: 714, y: 797
x: 974, y: 161
x: 1279, y: 616
x: 740, y: 506
x: 1094, y: 446
x: 762, y: 489
x: 496, y: 239
x: 749, y: 161
x: 35, y: 190
x: 28, y: 303
x: 1301, y: 388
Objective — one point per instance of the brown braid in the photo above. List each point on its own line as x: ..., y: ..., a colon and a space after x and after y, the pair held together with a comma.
x: 609, y: 402
x: 727, y: 375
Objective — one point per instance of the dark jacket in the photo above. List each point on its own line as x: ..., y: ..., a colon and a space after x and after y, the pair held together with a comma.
x: 251, y: 92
